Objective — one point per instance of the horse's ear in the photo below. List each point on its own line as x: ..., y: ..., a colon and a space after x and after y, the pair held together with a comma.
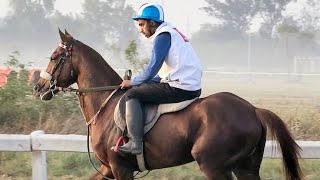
x: 62, y: 36
x: 66, y: 32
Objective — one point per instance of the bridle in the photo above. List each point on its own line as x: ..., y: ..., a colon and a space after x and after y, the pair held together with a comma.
x: 67, y: 54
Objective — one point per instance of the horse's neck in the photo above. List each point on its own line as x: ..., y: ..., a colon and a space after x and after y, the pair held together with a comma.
x: 95, y: 72
x: 91, y: 77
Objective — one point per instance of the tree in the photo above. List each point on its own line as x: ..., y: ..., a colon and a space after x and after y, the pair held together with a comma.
x: 109, y: 22
x: 132, y: 56
x: 305, y: 15
x: 19, y: 111
x: 27, y: 24
x: 241, y: 14
x: 33, y: 26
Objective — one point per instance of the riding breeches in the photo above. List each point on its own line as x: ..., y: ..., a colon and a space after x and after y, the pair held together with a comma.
x: 160, y: 93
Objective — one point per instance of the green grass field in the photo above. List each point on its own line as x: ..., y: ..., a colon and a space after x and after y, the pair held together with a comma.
x: 69, y: 166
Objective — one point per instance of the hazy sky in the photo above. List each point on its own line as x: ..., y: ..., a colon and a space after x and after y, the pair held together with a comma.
x: 188, y: 17
x: 184, y: 14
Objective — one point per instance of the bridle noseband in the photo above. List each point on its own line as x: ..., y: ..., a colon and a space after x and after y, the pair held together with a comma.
x: 67, y: 54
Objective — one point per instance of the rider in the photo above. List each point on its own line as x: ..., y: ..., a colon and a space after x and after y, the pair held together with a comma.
x: 172, y: 75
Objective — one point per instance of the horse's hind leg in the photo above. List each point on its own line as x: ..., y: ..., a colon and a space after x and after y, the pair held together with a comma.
x: 213, y: 170
x: 217, y: 174
x: 211, y: 162
x: 213, y: 173
x: 248, y: 168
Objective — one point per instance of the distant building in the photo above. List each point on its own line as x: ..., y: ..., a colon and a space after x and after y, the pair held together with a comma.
x: 32, y: 76
x: 4, y: 74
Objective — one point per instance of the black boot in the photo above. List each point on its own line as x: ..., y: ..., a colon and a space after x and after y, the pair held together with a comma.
x: 135, y: 123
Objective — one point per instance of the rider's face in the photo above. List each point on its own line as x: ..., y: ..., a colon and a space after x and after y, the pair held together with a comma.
x: 145, y: 27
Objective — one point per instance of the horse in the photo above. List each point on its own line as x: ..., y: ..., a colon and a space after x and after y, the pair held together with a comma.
x: 223, y: 133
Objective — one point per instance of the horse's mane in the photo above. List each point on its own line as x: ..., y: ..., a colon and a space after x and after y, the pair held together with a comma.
x: 95, y: 56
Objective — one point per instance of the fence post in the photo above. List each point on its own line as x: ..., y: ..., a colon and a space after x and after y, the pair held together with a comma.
x: 39, y: 160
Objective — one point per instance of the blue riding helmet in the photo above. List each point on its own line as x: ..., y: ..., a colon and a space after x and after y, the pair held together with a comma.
x: 150, y: 11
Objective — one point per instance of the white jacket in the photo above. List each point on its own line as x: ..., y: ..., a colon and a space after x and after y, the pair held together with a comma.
x: 181, y: 67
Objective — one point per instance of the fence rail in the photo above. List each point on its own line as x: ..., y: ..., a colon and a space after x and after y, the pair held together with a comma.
x: 38, y: 143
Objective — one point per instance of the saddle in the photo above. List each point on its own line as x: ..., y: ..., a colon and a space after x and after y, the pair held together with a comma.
x: 151, y: 112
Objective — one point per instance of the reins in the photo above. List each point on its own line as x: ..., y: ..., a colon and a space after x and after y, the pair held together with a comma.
x: 85, y: 90
x: 97, y: 89
x: 88, y: 150
x: 93, y: 119
x: 89, y: 156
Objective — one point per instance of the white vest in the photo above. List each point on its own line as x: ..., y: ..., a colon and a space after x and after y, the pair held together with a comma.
x: 181, y: 68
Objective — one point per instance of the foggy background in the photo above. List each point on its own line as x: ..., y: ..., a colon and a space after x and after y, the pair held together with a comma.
x: 233, y: 36
x: 265, y: 51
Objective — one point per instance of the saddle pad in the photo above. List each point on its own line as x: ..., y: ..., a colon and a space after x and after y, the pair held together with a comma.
x: 151, y: 112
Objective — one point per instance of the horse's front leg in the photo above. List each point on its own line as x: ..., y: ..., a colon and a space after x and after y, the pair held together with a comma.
x: 106, y: 171
x: 122, y: 173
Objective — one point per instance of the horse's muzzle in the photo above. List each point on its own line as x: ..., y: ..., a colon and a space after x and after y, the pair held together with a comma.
x: 43, y: 92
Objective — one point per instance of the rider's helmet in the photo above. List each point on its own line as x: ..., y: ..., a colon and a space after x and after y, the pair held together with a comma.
x: 150, y: 11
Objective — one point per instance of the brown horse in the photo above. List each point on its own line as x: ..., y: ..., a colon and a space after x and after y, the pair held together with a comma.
x: 223, y: 133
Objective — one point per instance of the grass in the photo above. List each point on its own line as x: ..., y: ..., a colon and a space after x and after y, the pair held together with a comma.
x: 69, y: 166
x: 15, y: 164
x: 61, y: 164
x: 272, y: 169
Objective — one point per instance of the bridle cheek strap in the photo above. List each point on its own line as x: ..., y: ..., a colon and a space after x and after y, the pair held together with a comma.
x: 45, y: 75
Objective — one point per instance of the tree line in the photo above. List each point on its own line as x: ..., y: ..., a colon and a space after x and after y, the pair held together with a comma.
x: 107, y: 26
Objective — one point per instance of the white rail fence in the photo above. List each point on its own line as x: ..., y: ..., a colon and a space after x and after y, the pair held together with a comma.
x: 38, y: 143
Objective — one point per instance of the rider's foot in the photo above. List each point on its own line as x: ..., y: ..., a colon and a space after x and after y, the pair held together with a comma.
x: 133, y: 147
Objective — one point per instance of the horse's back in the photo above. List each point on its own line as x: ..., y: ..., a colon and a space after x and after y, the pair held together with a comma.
x: 227, y: 97
x: 227, y: 106
x: 220, y: 109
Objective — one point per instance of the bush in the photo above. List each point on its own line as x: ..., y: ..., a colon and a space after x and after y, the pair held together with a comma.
x: 20, y: 112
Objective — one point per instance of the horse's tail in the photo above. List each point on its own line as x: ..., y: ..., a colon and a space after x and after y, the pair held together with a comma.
x: 290, y: 149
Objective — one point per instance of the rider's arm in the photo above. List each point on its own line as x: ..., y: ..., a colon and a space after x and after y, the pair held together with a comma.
x: 160, y: 51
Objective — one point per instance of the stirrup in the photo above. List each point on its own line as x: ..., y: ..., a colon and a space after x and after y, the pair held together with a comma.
x: 120, y: 140
x: 131, y: 148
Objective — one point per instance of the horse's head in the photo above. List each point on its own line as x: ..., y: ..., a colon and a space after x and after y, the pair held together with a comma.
x: 60, y: 71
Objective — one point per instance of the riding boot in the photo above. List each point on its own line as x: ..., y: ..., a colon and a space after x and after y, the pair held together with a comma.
x: 135, y: 125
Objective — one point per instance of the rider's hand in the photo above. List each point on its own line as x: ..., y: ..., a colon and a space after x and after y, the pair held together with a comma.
x: 125, y: 84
